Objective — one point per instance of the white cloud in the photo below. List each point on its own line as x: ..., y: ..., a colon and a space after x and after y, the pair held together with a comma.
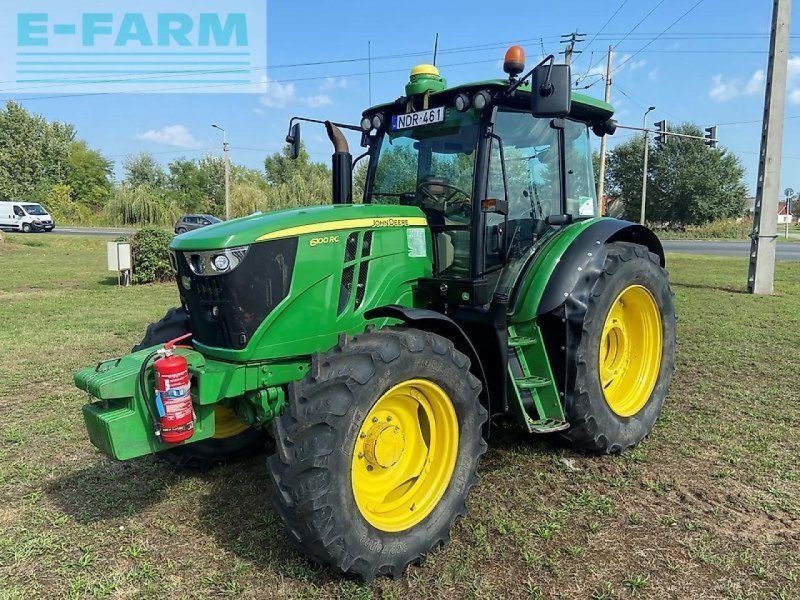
x: 317, y: 100
x: 332, y: 83
x: 637, y: 64
x: 794, y: 66
x: 277, y: 95
x: 794, y: 96
x: 281, y: 95
x: 171, y: 135
x: 723, y: 90
x: 755, y: 84
x: 259, y: 111
x: 653, y: 74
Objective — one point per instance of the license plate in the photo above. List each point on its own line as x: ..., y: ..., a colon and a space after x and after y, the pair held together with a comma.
x: 415, y: 119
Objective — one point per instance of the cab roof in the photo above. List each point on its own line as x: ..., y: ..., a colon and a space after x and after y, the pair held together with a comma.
x: 584, y: 108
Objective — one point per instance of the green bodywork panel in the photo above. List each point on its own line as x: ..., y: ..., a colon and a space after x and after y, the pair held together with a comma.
x: 392, y: 274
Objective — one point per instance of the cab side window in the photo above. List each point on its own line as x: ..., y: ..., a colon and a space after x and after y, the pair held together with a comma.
x: 19, y: 212
x: 581, y: 190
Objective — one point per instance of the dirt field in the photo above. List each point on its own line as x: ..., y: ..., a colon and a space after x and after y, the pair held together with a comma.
x: 707, y: 507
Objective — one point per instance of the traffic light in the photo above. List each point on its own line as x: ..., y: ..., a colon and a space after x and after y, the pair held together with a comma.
x: 661, y: 134
x: 711, y: 136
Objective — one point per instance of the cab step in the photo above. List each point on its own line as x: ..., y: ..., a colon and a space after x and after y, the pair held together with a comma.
x: 532, y: 382
x: 521, y: 342
x: 547, y: 426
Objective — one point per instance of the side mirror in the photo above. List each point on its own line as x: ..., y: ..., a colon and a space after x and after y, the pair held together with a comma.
x: 551, y: 94
x: 293, y: 139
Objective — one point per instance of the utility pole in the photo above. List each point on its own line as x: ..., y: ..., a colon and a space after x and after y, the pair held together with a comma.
x: 644, y: 168
x: 601, y: 182
x: 570, y: 39
x: 227, y: 172
x: 761, y: 272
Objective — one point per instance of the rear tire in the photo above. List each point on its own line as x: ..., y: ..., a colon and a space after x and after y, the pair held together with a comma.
x: 180, y: 230
x: 234, y: 441
x: 331, y: 502
x: 612, y: 410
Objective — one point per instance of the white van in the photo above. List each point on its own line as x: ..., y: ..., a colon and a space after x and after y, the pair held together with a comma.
x: 25, y: 216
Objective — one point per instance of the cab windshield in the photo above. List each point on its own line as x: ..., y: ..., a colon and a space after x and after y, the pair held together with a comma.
x: 432, y: 167
x: 34, y: 209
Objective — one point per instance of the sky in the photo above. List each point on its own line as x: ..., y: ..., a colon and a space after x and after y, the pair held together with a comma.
x: 700, y: 62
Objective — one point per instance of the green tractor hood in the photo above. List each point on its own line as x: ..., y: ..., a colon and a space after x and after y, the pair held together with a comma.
x: 297, y: 221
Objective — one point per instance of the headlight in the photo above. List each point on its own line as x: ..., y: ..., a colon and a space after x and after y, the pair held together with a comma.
x: 221, y: 262
x: 481, y: 99
x: 215, y: 262
x: 366, y: 124
x: 461, y: 102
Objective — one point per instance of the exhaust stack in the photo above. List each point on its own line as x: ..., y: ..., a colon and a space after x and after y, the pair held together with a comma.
x: 341, y: 166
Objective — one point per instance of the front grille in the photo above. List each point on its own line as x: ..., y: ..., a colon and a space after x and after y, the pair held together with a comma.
x: 225, y: 310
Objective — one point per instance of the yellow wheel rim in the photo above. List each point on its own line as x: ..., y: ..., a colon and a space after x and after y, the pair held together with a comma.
x: 226, y: 423
x: 630, y: 351
x: 404, y: 455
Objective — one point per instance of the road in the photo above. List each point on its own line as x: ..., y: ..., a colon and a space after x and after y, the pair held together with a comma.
x: 785, y: 251
x: 101, y: 231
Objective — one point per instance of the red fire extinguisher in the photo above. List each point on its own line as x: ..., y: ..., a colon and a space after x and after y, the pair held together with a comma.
x: 173, y: 400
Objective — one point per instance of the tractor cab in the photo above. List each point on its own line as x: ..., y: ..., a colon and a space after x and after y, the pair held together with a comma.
x: 493, y: 178
x: 495, y: 168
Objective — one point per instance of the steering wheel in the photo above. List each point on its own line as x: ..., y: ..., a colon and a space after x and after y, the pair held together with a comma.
x: 423, y: 189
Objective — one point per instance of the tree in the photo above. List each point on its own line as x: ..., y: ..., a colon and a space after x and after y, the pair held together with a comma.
x: 142, y: 169
x: 688, y: 183
x: 280, y: 168
x: 198, y: 185
x: 88, y: 174
x: 33, y: 152
x: 297, y: 182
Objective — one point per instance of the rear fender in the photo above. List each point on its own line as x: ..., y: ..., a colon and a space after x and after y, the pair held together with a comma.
x: 559, y: 288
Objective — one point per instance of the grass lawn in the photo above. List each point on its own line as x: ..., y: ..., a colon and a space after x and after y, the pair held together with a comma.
x: 707, y: 507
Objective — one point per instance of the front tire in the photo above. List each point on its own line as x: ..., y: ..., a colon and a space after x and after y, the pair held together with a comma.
x: 232, y: 438
x: 26, y: 228
x: 625, y: 357
x: 377, y: 451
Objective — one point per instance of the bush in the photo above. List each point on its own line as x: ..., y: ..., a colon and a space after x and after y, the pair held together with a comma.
x: 150, y: 249
x: 724, y: 229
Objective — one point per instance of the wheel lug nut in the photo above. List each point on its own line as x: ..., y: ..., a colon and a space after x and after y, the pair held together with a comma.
x: 374, y: 419
x: 369, y: 467
x: 360, y: 455
x: 363, y: 435
x: 389, y: 418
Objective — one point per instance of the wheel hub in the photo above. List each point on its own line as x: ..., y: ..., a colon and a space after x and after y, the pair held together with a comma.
x: 630, y: 351
x: 404, y: 455
x: 383, y: 447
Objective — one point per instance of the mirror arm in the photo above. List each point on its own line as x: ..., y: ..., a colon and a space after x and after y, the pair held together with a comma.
x: 322, y: 122
x: 547, y: 87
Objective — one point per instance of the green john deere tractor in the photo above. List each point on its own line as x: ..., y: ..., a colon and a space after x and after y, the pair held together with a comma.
x: 373, y: 341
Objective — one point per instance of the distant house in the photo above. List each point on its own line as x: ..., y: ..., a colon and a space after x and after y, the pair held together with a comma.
x: 783, y: 214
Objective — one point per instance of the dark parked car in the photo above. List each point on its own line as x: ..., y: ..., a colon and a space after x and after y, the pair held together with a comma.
x: 189, y: 222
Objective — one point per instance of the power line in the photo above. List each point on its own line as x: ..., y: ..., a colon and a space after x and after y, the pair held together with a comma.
x: 624, y: 37
x: 670, y: 26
